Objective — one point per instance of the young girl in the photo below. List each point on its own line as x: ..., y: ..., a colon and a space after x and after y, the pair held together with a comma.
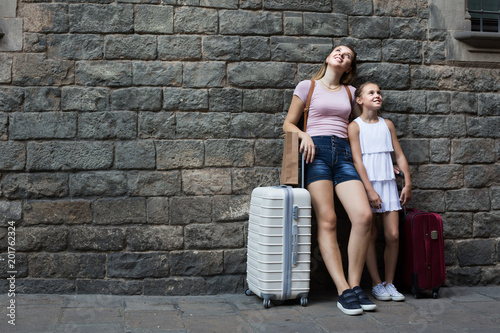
x: 372, y: 140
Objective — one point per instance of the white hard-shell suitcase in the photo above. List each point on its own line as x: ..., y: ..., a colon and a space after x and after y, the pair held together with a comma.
x: 279, y: 244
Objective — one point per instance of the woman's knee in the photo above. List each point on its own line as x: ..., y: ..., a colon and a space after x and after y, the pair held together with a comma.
x: 327, y: 223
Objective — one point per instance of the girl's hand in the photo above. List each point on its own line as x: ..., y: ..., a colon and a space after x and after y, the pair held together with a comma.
x: 405, y: 195
x: 374, y: 199
x: 307, y: 148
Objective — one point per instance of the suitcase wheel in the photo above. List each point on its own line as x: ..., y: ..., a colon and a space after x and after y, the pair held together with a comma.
x: 266, y: 303
x: 303, y: 301
x: 434, y: 294
x: 248, y: 292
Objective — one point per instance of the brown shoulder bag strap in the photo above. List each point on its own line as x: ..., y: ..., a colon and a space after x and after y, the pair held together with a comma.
x: 308, y: 102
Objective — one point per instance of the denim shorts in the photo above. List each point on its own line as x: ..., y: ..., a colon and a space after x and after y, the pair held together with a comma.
x: 332, y: 161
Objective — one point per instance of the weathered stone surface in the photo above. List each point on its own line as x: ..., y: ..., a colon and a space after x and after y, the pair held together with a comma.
x: 206, y: 181
x: 457, y: 225
x: 107, y: 125
x: 197, y: 125
x: 196, y: 263
x: 157, y: 73
x: 10, y: 211
x: 483, y: 127
x: 366, y: 50
x: 58, y: 155
x: 266, y: 100
x: 184, y: 154
x: 42, y: 99
x: 46, y: 286
x: 392, y: 8
x: 154, y: 19
x: 135, y: 155
x: 353, y: 7
x: 396, y: 76
x: 369, y: 27
x: 155, y: 238
x: 225, y: 284
x: 45, y: 17
x: 35, y: 42
x: 75, y: 47
x: 34, y: 185
x: 119, y: 211
x: 231, y: 152
x: 187, y: 210
x: 322, y: 24
x: 495, y: 198
x: 140, y: 99
x: 185, y: 99
x: 437, y: 126
x: 157, y: 209
x: 141, y: 47
x: 416, y: 150
x: 137, y: 265
x: 460, y: 200
x: 408, y: 28
x: 36, y: 70
x: 235, y: 261
x: 156, y: 125
x: 42, y: 125
x: 253, y: 125
x: 293, y: 23
x: 403, y: 51
x: 101, y: 18
x: 5, y: 68
x: 434, y: 52
x: 109, y: 287
x: 84, y: 99
x: 239, y: 22
x: 486, y: 225
x: 473, y: 151
x: 438, y: 102
x: 57, y: 212
x: 430, y: 200
x: 46, y: 239
x: 440, y: 176
x: 225, y: 100
x: 214, y: 236
x: 267, y: 74
x: 13, y: 155
x: 11, y: 98
x: 255, y: 48
x: 268, y: 153
x: 96, y: 239
x: 154, y: 183
x: 481, y: 175
x: 464, y: 103
x: 67, y: 265
x: 476, y: 252
x: 4, y: 119
x: 104, y: 73
x: 175, y: 286
x: 440, y: 150
x: 195, y: 20
x: 246, y: 179
x: 204, y: 74
x: 316, y: 5
x: 231, y: 208
x: 179, y: 47
x: 99, y: 183
x: 305, y: 49
x: 488, y: 104
x: 221, y: 48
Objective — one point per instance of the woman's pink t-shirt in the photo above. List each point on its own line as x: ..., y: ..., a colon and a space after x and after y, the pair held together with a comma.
x: 328, y: 112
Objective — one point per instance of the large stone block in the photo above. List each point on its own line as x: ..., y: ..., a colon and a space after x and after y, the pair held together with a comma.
x: 183, y: 154
x: 96, y: 239
x: 38, y: 239
x: 140, y: 47
x: 154, y: 183
x: 488, y: 104
x: 140, y: 99
x: 476, y: 252
x: 119, y: 211
x: 263, y: 100
x: 75, y: 155
x: 75, y: 47
x: 137, y: 265
x: 196, y: 263
x: 395, y: 76
x: 225, y: 100
x: 416, y: 150
x: 225, y: 284
x: 42, y: 99
x: 84, y: 99
x: 44, y: 17
x: 157, y: 73
x: 255, y: 48
x: 438, y: 102
x: 482, y: 175
x: 467, y: 151
x: 440, y: 150
x: 460, y: 200
x: 154, y: 19
x: 90, y: 18
x: 302, y: 49
x: 157, y: 209
x: 107, y: 125
x: 195, y: 20
x: 434, y: 52
x: 42, y: 125
x: 206, y: 182
x: 36, y: 70
x: 175, y: 286
x: 221, y: 48
x: 155, y: 238
x: 457, y: 225
x: 268, y: 153
x: 104, y: 73
x: 108, y: 287
x: 35, y: 185
x: 408, y: 28
x: 235, y: 261
x: 4, y: 120
x: 240, y: 22
x: 392, y: 8
x: 156, y: 125
x: 325, y: 24
x: 440, y: 176
x: 67, y: 265
x: 353, y: 7
x: 464, y: 102
x: 187, y: 210
x: 402, y: 50
x: 293, y: 23
x: 135, y: 155
x: 231, y: 152
x: 179, y: 47
x: 264, y: 74
x: 486, y: 225
x: 57, y: 212
x: 46, y: 286
x: 300, y: 5
x: 185, y: 99
x: 5, y: 68
x: 214, y: 236
x: 196, y: 125
x: 246, y: 179
x: 231, y: 208
x: 204, y: 74
x: 495, y: 198
x: 369, y: 27
x: 435, y: 126
x: 257, y: 125
x: 429, y: 200
x: 100, y: 183
x: 10, y: 210
x: 13, y: 155
x: 484, y: 127
x: 35, y: 42
x: 11, y: 98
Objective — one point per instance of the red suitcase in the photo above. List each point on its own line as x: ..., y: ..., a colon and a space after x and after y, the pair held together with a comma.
x: 422, y: 252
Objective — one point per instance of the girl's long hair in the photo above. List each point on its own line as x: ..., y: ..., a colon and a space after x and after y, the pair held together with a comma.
x: 346, y: 78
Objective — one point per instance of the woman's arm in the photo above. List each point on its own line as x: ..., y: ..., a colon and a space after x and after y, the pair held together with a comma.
x: 290, y: 125
x: 357, y: 157
x: 401, y: 162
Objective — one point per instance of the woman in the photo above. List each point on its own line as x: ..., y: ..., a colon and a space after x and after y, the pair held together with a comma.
x: 330, y: 169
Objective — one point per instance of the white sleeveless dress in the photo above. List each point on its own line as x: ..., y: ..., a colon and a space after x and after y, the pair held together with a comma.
x: 376, y: 147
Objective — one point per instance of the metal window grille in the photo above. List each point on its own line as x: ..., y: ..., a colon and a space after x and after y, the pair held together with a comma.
x: 485, y: 15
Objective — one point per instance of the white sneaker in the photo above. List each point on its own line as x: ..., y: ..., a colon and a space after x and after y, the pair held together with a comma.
x: 380, y: 293
x: 394, y: 293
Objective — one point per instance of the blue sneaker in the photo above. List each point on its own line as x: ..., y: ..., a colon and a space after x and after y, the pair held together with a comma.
x: 363, y: 300
x: 348, y: 303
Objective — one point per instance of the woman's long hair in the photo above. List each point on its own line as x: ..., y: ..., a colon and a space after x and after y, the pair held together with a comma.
x: 346, y: 78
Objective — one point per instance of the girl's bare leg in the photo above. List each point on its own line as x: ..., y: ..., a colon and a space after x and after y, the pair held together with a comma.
x: 371, y: 255
x: 391, y: 232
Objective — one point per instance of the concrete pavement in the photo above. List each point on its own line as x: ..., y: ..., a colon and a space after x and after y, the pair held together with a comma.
x: 458, y: 309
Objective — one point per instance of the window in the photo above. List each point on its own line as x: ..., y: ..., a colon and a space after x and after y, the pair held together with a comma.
x: 484, y: 15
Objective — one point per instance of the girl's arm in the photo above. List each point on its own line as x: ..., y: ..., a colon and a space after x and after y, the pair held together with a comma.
x: 353, y: 133
x: 290, y: 125
x: 401, y: 162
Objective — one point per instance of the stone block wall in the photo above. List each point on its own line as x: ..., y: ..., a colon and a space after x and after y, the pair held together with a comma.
x: 133, y: 131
